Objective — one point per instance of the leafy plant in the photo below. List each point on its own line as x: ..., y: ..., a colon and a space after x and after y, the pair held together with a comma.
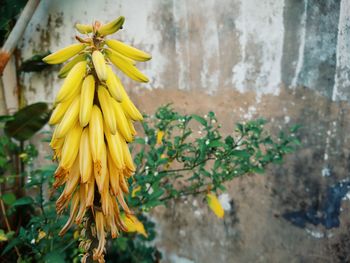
x: 176, y: 155
x: 27, y: 121
x: 170, y: 153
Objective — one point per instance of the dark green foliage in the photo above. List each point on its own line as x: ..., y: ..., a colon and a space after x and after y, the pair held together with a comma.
x: 27, y: 121
x: 9, y: 11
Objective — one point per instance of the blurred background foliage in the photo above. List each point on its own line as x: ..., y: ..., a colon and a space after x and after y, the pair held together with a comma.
x: 176, y: 155
x: 9, y: 12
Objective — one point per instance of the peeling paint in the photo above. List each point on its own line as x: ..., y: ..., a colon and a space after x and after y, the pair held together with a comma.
x: 261, y: 26
x: 206, y: 46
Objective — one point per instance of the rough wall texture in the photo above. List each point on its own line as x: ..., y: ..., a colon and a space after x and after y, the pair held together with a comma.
x: 286, y: 60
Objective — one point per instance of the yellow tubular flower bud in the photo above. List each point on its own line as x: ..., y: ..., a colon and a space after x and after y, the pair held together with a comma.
x: 115, y: 149
x: 73, y: 212
x: 123, y: 126
x: 127, y: 50
x: 122, y: 203
x: 85, y: 159
x: 117, y: 217
x: 96, y: 133
x: 56, y: 143
x: 87, y: 99
x: 131, y: 111
x: 100, y: 171
x: 100, y: 65
x: 106, y: 199
x: 70, y: 118
x: 74, y: 94
x: 123, y: 183
x: 90, y: 185
x: 114, y: 85
x: 107, y: 109
x: 113, y: 227
x: 113, y: 175
x: 111, y: 27
x: 64, y: 54
x: 59, y: 112
x: 72, y: 179
x: 83, y: 28
x: 69, y: 65
x: 126, y: 66
x: 131, y: 127
x: 72, y: 82
x: 101, y: 235
x: 127, y: 156
x: 70, y: 147
x: 82, y: 207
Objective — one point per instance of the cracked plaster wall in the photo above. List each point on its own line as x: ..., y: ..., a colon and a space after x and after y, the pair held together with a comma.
x: 287, y: 61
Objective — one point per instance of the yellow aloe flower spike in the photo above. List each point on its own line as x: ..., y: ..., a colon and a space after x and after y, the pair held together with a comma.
x: 94, y: 118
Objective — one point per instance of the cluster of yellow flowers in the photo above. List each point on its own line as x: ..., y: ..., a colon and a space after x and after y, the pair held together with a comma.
x: 94, y: 124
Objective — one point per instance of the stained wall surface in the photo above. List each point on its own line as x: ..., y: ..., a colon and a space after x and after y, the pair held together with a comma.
x: 287, y: 61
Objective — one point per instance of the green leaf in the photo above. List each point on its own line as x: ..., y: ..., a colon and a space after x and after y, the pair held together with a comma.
x: 28, y: 121
x: 156, y: 194
x: 10, y: 245
x: 241, y: 153
x: 216, y: 143
x: 258, y: 170
x: 200, y: 119
x: 295, y: 128
x: 288, y: 149
x: 23, y: 201
x: 35, y: 63
x: 8, y: 198
x: 5, y: 118
x: 54, y: 257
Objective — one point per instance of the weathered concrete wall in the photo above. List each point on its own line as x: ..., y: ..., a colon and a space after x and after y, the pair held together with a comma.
x: 212, y: 45
x: 285, y: 60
